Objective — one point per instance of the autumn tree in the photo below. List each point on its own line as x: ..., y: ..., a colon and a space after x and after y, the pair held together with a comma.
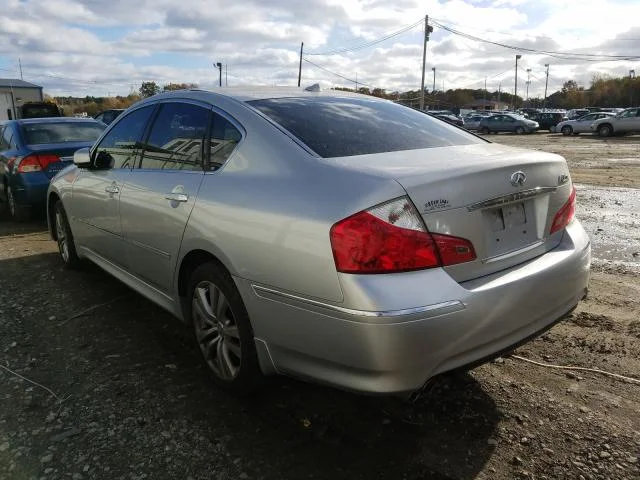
x: 149, y: 89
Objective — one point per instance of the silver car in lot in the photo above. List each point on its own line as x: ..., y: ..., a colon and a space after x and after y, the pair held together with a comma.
x: 325, y: 235
x: 580, y: 125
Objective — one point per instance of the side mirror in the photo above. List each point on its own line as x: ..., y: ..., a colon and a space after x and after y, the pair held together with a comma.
x: 81, y: 158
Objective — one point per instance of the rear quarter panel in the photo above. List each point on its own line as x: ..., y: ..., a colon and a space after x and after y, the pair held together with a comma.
x: 267, y: 213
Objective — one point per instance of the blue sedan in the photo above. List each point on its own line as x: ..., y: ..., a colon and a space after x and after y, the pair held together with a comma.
x: 32, y: 151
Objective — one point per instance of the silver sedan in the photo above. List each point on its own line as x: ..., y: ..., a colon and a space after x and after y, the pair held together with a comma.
x: 325, y: 235
x: 580, y: 125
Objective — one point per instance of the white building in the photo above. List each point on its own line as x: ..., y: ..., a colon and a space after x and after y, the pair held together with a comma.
x: 14, y: 93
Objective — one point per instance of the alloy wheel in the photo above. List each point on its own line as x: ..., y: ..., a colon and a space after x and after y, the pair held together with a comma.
x: 216, y: 330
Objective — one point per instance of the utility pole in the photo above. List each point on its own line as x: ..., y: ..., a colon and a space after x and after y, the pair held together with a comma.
x: 632, y: 75
x: 20, y: 65
x: 499, y: 91
x: 427, y: 30
x: 226, y: 75
x: 546, y: 84
x: 300, y: 66
x: 515, y: 90
x: 219, y: 66
x: 528, y: 83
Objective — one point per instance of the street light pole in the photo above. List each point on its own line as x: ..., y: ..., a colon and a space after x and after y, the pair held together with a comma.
x: 546, y: 84
x: 219, y: 66
x: 515, y: 90
x: 632, y: 75
x: 528, y: 83
x: 434, y: 79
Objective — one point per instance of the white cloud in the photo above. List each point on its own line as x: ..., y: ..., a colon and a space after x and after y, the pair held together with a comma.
x: 98, y: 46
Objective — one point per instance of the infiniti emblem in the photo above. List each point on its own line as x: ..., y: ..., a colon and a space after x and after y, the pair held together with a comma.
x: 518, y: 178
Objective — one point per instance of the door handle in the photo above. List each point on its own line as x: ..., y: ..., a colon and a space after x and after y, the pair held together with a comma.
x: 112, y: 189
x: 177, y: 197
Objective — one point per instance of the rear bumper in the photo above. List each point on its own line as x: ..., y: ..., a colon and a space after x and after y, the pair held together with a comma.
x: 385, y: 344
x: 30, y: 189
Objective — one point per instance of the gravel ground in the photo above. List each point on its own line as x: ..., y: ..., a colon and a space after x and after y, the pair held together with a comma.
x: 129, y: 400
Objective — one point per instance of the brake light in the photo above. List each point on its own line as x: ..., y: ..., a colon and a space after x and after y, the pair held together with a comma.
x: 36, y: 163
x: 390, y: 238
x: 565, y: 214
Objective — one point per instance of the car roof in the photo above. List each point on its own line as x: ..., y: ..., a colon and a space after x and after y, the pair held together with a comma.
x: 246, y: 94
x: 27, y: 121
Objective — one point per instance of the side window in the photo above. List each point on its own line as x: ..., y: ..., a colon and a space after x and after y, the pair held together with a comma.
x: 176, y: 138
x: 100, y: 117
x: 224, y: 138
x: 122, y: 143
x: 630, y: 113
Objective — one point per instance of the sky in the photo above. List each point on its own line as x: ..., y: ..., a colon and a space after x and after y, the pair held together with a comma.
x: 108, y: 47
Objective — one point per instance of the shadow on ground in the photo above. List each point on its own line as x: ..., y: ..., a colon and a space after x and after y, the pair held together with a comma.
x: 140, y: 399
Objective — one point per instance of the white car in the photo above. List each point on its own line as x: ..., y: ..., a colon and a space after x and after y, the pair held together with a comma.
x: 582, y: 124
x: 627, y: 121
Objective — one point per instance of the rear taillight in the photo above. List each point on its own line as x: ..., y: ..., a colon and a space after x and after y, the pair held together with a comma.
x: 565, y: 214
x: 391, y: 237
x: 36, y: 163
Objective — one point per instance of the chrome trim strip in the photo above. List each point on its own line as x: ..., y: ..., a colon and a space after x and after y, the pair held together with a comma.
x: 432, y: 310
x: 148, y: 247
x: 89, y: 224
x: 513, y: 253
x: 511, y: 197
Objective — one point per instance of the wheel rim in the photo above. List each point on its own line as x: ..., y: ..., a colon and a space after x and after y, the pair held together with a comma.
x: 12, y: 202
x: 566, y: 130
x: 604, y: 131
x: 216, y: 330
x: 61, y: 234
x: 519, y: 130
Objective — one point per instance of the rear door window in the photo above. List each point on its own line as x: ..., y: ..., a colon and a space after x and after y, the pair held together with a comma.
x: 339, y: 127
x: 222, y: 141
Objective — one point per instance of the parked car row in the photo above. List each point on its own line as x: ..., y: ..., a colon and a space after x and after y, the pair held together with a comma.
x: 431, y: 249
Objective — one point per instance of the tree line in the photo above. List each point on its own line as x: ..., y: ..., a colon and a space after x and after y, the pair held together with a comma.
x: 603, y: 91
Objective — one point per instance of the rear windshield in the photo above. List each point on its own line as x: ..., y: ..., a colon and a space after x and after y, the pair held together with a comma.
x: 341, y: 127
x: 61, y: 132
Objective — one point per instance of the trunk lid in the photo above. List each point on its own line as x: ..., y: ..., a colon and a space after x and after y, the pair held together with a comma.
x: 64, y: 151
x: 503, y: 199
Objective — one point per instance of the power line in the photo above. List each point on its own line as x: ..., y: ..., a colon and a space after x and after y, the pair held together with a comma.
x: 337, y: 74
x: 561, y: 55
x: 369, y: 43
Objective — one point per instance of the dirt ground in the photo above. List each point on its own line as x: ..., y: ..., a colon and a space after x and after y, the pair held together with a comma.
x: 132, y: 401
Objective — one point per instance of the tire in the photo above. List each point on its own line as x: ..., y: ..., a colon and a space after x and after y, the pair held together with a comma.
x: 519, y: 130
x: 567, y: 130
x: 222, y: 330
x: 484, y: 130
x: 605, y: 130
x: 19, y: 213
x: 64, y: 238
